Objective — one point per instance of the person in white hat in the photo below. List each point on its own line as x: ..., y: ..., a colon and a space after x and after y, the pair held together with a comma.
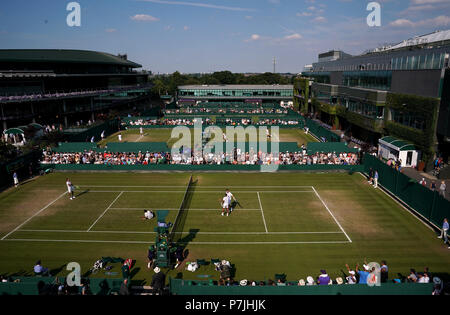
x: 351, y: 279
x: 243, y: 283
x: 301, y: 282
x: 310, y: 280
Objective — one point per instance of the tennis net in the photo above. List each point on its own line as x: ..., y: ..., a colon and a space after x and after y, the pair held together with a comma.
x: 180, y: 219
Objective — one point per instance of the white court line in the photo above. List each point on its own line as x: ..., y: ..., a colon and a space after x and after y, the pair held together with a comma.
x: 190, y: 243
x: 199, y: 192
x: 262, y: 212
x: 105, y: 211
x: 337, y: 222
x: 37, y: 213
x: 196, y: 186
x: 173, y: 209
x: 185, y: 232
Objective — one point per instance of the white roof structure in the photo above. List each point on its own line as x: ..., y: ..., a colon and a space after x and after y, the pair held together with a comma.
x: 438, y: 36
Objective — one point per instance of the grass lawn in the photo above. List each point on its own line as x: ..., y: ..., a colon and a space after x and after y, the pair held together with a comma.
x: 164, y: 135
x: 292, y: 223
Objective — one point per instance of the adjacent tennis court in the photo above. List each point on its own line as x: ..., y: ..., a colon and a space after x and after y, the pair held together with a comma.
x: 292, y: 223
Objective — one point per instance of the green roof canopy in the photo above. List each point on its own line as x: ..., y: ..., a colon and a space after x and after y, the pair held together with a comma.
x: 14, y: 131
x: 401, y: 145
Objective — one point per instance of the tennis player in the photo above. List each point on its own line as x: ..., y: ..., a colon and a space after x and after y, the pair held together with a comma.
x: 231, y: 199
x: 225, y: 205
x: 70, y: 189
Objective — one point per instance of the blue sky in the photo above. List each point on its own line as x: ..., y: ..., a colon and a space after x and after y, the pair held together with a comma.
x: 214, y: 35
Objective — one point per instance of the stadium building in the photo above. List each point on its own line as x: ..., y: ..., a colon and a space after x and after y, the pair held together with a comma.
x: 65, y: 86
x: 402, y: 91
x: 256, y: 94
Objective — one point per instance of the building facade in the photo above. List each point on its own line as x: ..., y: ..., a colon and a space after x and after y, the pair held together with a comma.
x: 236, y: 93
x: 401, y: 91
x: 65, y: 86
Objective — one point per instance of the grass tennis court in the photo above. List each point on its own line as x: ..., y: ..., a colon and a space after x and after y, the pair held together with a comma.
x: 164, y: 135
x: 292, y: 223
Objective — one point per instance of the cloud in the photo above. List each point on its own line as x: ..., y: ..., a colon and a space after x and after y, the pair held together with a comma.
x: 110, y: 30
x: 293, y: 36
x: 320, y: 19
x: 441, y: 20
x: 254, y: 37
x: 144, y: 18
x: 428, y: 1
x: 198, y: 4
x: 186, y: 28
x: 401, y: 23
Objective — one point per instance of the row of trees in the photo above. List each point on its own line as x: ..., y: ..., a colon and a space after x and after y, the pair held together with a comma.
x: 167, y: 85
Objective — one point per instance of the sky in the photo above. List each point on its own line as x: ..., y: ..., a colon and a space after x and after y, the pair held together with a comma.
x: 193, y: 36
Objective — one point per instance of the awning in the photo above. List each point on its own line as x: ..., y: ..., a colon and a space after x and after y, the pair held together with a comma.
x: 36, y: 126
x: 14, y: 131
x: 397, y: 144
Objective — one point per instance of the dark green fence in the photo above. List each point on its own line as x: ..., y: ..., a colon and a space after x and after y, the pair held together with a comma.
x: 21, y: 166
x: 185, y: 287
x: 425, y: 202
x: 199, y: 168
x: 321, y: 132
x: 30, y: 285
x: 108, y: 127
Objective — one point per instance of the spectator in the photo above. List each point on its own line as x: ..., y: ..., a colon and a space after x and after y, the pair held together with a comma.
x: 310, y: 280
x: 423, y: 278
x: 433, y: 186
x: 39, y: 270
x: 423, y: 182
x: 384, y: 272
x: 442, y: 189
x: 351, y: 278
x: 124, y: 290
x: 438, y: 286
x: 363, y: 274
x: 151, y: 256
x: 444, y: 232
x: 375, y: 179
x: 323, y: 278
x: 412, y: 276
x: 158, y: 281
x: 302, y: 282
x: 16, y: 179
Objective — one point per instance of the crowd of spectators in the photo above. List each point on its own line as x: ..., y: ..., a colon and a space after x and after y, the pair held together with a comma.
x: 185, y: 157
x: 223, y: 111
x: 367, y: 274
x: 56, y: 94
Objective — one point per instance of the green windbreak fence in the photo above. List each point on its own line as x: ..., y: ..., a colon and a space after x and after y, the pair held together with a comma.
x: 74, y: 147
x: 135, y: 147
x: 248, y: 147
x: 186, y: 287
x: 108, y: 127
x: 427, y: 203
x: 198, y: 168
x: 329, y: 147
x: 31, y: 285
x: 321, y: 132
x: 20, y: 165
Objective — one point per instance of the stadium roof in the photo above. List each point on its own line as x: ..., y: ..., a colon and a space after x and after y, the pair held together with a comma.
x: 236, y: 87
x: 63, y: 56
